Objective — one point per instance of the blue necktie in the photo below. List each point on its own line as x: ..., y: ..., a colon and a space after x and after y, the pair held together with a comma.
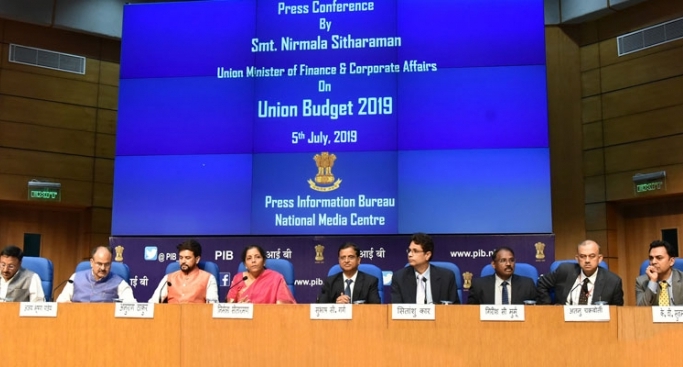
x: 506, y: 298
x: 347, y: 290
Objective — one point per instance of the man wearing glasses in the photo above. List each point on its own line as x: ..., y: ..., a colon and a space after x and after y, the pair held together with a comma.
x: 18, y: 284
x: 98, y: 284
x: 584, y: 283
x: 504, y: 287
x: 351, y: 285
x: 421, y: 282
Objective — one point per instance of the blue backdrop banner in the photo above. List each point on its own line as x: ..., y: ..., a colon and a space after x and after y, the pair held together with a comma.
x: 313, y: 256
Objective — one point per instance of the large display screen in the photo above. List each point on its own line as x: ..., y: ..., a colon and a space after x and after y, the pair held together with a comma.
x: 332, y: 117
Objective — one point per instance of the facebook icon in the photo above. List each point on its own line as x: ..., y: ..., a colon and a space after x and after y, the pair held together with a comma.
x: 225, y: 279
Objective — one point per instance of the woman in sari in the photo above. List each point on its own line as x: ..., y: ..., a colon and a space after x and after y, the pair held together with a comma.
x: 258, y: 284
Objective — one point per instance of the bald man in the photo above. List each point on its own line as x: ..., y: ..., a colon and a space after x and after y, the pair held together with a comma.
x: 97, y: 284
x: 583, y: 283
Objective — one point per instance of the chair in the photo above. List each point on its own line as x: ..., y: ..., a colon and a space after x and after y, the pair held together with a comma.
x: 522, y: 269
x: 458, y: 276
x: 43, y: 267
x: 557, y: 263
x: 371, y: 269
x: 282, y: 266
x: 208, y: 266
x: 677, y: 265
x: 117, y: 268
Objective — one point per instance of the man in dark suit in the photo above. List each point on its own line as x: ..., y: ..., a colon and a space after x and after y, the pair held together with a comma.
x: 582, y: 283
x: 421, y: 282
x: 661, y: 283
x: 504, y: 287
x: 351, y: 285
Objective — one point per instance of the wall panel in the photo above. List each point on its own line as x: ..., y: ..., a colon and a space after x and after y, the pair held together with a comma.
x: 591, y: 109
x: 46, y: 139
x: 47, y: 113
x: 644, y: 154
x: 642, y: 70
x: 592, y: 135
x: 590, y: 57
x: 640, y: 126
x: 106, y: 121
x: 642, y: 98
x: 49, y: 88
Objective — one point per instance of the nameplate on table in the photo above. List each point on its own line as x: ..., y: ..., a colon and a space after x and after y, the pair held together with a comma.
x: 233, y: 310
x: 331, y: 312
x: 412, y: 312
x: 501, y: 312
x: 38, y: 309
x: 667, y: 314
x: 134, y: 310
x: 586, y: 313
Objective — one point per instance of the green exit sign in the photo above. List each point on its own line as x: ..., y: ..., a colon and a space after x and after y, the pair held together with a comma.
x: 644, y: 183
x: 650, y: 186
x: 44, y: 191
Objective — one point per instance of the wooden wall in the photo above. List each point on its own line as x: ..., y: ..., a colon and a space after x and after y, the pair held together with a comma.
x: 61, y: 127
x: 632, y: 120
x: 565, y: 134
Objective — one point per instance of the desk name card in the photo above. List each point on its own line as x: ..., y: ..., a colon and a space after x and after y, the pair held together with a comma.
x: 233, y: 311
x: 331, y: 312
x: 412, y: 312
x: 38, y: 309
x: 134, y: 310
x: 667, y: 314
x: 501, y: 312
x: 586, y: 313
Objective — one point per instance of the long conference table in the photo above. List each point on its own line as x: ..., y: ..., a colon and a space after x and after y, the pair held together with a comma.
x: 284, y: 335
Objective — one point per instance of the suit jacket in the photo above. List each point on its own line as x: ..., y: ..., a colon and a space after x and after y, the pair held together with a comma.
x: 442, y: 282
x: 482, y: 291
x: 645, y: 297
x: 607, y: 286
x: 365, y: 288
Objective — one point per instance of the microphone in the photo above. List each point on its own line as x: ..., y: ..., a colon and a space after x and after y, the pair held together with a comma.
x: 59, y: 285
x: 161, y: 292
x: 571, y: 301
x: 244, y: 279
x: 424, y: 280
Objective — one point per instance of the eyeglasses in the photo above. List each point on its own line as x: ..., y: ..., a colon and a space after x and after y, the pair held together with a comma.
x: 413, y: 251
x: 349, y: 257
x: 505, y: 261
x: 9, y: 267
x: 584, y: 256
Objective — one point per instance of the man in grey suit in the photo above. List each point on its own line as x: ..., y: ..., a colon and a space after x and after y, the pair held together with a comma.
x: 421, y: 282
x: 661, y: 284
x: 583, y: 283
x: 351, y: 285
x: 504, y: 287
